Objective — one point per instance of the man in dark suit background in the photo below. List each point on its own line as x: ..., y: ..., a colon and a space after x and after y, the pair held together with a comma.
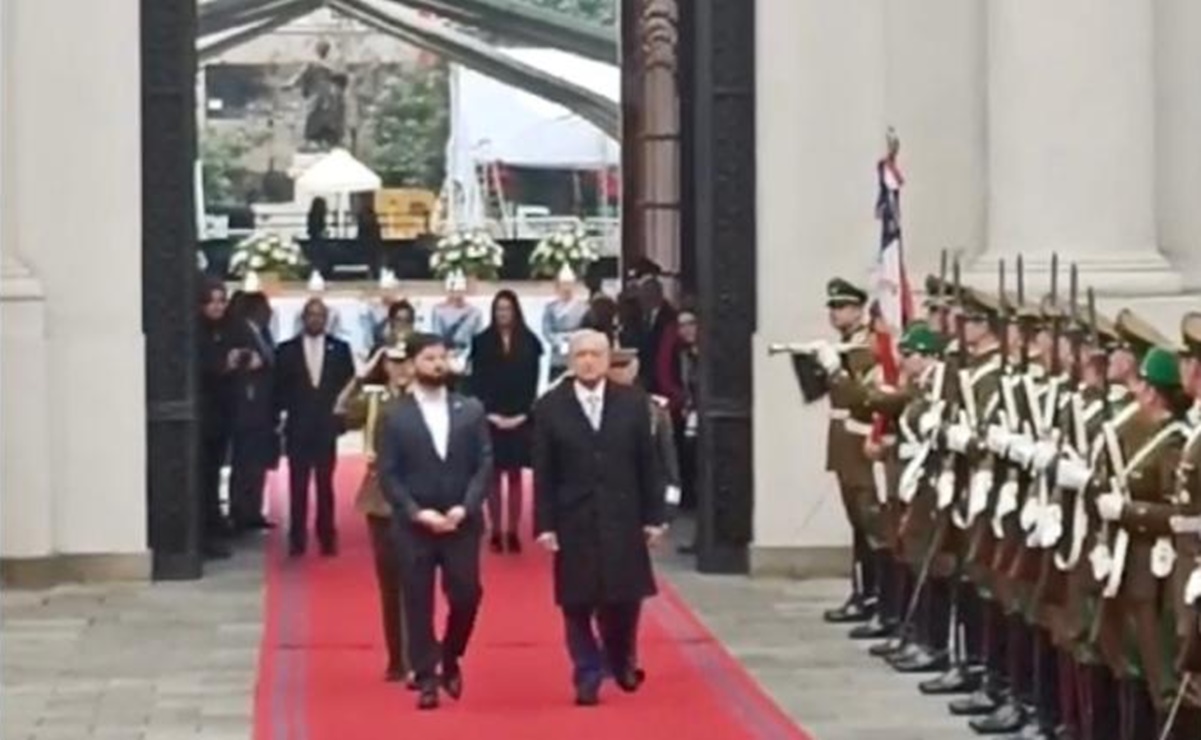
x: 599, y: 505
x: 435, y: 464
x: 312, y: 369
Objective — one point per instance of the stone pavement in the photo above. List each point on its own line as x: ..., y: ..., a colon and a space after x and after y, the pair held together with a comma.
x: 178, y: 660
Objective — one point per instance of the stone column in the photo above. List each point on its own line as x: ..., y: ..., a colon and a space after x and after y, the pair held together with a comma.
x: 72, y: 178
x: 1072, y: 141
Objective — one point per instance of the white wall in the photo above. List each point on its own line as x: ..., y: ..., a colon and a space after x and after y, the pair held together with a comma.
x: 72, y: 177
x: 1178, y: 134
x: 831, y: 77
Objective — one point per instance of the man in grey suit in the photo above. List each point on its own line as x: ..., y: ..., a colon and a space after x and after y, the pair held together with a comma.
x: 435, y: 461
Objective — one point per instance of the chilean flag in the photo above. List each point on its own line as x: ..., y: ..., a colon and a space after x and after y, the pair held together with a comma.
x: 892, y: 292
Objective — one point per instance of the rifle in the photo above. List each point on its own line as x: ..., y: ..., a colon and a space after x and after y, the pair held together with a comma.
x: 942, y: 281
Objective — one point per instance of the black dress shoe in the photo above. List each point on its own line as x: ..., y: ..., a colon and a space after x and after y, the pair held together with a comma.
x: 630, y: 679
x: 496, y: 544
x: 329, y: 549
x: 259, y: 524
x: 452, y: 681
x: 905, y: 654
x: 957, y: 680
x: 513, y: 543
x: 1006, y: 719
x: 922, y: 661
x: 873, y: 629
x: 587, y: 694
x: 857, y: 609
x: 296, y: 549
x: 427, y: 698
x: 976, y: 704
x: 1033, y: 730
x: 888, y: 648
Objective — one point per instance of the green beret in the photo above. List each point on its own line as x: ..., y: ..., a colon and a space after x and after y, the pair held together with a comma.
x: 840, y: 292
x: 1160, y: 368
x: 919, y: 338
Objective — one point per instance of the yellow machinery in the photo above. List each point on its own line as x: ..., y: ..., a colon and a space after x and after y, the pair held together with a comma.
x: 406, y: 213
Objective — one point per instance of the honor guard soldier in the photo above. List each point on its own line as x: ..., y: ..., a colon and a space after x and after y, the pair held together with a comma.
x: 1184, y: 718
x: 848, y: 369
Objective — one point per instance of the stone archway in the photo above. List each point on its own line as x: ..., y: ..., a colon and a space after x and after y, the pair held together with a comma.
x: 704, y: 47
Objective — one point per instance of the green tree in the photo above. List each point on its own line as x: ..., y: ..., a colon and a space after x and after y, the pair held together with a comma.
x: 221, y: 153
x: 408, y: 124
x: 597, y: 11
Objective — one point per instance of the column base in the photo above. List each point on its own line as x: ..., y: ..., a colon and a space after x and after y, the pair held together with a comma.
x: 1142, y: 272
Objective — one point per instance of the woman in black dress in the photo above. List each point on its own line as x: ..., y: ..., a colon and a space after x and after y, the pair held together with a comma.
x: 506, y: 358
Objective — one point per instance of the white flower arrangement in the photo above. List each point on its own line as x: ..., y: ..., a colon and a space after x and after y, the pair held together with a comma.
x: 570, y: 247
x: 267, y: 252
x: 474, y: 253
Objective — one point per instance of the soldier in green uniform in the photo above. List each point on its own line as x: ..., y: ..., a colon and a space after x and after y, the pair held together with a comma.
x: 848, y: 368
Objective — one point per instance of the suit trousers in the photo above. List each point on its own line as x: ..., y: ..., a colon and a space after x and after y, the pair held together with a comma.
x: 247, y: 477
x: 456, y: 556
x: 300, y: 469
x: 600, y: 638
x: 387, y: 577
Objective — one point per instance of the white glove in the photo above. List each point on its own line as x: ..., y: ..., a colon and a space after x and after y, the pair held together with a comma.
x: 1021, y: 449
x: 1032, y: 512
x: 928, y: 422
x: 828, y: 358
x: 1102, y: 561
x: 1050, y: 527
x: 457, y: 364
x: 911, y: 476
x: 1044, y: 454
x: 1192, y: 588
x: 959, y: 436
x: 981, y: 486
x: 1163, y: 557
x: 672, y: 496
x: 1072, y: 473
x: 1110, y: 506
x: 997, y: 440
x: 945, y: 487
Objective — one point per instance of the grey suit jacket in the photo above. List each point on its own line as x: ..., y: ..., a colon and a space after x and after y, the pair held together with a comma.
x: 412, y: 474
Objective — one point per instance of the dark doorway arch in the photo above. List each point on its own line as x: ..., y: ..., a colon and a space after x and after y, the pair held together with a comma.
x: 711, y: 63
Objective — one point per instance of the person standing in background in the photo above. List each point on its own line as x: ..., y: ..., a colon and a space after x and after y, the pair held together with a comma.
x: 217, y: 361
x: 398, y: 326
x: 317, y: 229
x: 456, y: 322
x: 368, y: 401
x: 370, y: 239
x: 562, y: 317
x: 507, y: 357
x: 311, y: 371
x: 676, y: 374
x: 255, y: 433
x: 658, y: 320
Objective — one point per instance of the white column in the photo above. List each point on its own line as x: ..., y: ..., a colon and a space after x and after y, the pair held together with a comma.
x: 73, y: 180
x: 1072, y: 140
x: 1178, y: 135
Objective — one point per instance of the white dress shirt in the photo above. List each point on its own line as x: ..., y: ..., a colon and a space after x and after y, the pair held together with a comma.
x: 592, y: 400
x: 435, y: 409
x: 314, y: 356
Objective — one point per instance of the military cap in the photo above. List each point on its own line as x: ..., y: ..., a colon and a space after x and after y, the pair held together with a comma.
x: 1136, y: 333
x: 623, y: 356
x: 938, y: 292
x: 839, y: 292
x: 1160, y: 368
x: 980, y: 305
x: 397, y: 351
x: 1190, y: 333
x: 920, y: 339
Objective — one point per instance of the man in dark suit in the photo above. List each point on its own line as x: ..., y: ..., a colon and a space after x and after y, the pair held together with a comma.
x: 312, y: 369
x: 435, y: 462
x: 598, y: 506
x: 659, y: 318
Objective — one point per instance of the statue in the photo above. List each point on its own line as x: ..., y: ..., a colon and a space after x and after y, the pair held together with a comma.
x: 324, y: 90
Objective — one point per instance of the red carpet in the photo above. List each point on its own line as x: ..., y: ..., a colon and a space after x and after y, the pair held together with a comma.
x: 321, y: 662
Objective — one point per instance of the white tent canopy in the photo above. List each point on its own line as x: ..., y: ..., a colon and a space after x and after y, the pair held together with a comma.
x: 337, y: 173
x: 491, y: 122
x: 494, y: 122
